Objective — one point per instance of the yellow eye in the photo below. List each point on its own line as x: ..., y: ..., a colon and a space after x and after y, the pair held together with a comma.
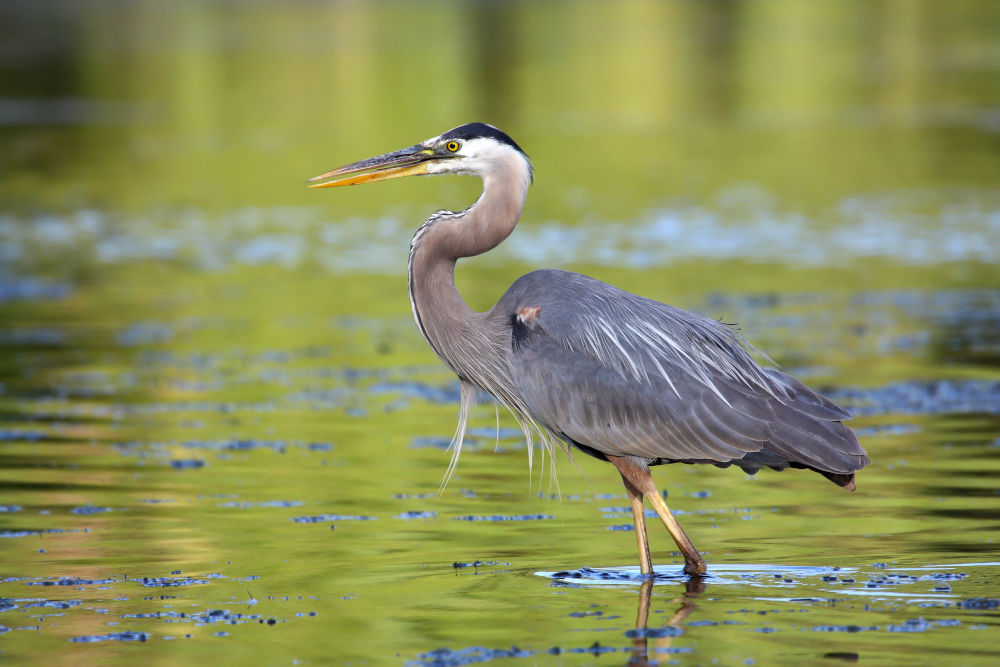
x: 452, y: 146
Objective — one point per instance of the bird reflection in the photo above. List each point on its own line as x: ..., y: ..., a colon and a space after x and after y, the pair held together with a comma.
x: 662, y: 637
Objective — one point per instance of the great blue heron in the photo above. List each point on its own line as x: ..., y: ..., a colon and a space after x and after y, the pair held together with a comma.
x: 625, y: 379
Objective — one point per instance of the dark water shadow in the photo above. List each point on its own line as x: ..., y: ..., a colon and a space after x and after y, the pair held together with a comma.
x: 644, y: 637
x: 878, y: 585
x: 661, y: 637
x: 743, y: 574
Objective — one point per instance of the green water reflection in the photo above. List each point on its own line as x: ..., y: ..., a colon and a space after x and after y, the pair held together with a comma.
x: 215, y: 410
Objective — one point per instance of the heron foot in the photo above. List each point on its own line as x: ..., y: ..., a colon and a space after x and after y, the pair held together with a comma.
x: 695, y: 567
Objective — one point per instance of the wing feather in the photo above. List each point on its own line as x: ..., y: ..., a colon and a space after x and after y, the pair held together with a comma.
x: 624, y: 375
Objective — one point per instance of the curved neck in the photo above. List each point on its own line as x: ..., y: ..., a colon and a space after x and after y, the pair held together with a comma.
x: 442, y: 316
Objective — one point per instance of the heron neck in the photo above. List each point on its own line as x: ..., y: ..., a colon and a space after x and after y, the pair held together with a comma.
x: 450, y: 326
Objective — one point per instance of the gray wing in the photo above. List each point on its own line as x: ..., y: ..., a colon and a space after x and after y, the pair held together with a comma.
x: 618, y: 374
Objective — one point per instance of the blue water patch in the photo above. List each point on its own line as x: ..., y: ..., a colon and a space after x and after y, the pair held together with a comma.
x: 145, y: 333
x: 881, y: 430
x: 13, y: 435
x: 157, y: 614
x: 446, y: 394
x: 267, y: 503
x: 505, y: 517
x: 71, y: 581
x: 845, y: 628
x: 765, y: 576
x: 34, y: 336
x: 320, y: 518
x: 980, y: 603
x: 127, y: 636
x: 446, y: 657
x: 53, y: 604
x: 89, y: 509
x: 744, y: 222
x: 911, y: 625
x: 427, y: 442
x: 170, y: 582
x: 228, y: 617
x: 43, y: 531
x: 606, y: 575
x: 187, y: 464
x: 651, y: 633
x: 251, y: 444
x: 19, y: 288
x: 920, y: 397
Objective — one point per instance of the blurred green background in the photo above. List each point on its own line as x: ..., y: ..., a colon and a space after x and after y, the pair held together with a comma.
x: 807, y: 115
x: 201, y: 348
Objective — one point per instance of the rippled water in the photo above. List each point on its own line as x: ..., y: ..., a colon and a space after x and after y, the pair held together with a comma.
x: 221, y: 437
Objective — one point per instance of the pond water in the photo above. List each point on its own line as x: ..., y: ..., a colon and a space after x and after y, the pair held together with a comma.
x: 221, y: 436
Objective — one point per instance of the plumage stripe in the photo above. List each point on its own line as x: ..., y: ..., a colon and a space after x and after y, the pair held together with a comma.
x: 628, y: 376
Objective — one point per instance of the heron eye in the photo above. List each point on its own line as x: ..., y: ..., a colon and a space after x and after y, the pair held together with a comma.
x: 452, y: 146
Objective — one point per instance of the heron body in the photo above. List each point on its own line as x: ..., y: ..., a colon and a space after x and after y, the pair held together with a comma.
x: 623, y: 378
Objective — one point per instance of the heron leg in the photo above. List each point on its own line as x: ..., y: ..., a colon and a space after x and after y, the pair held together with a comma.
x: 693, y: 562
x: 636, y: 472
x: 639, y: 516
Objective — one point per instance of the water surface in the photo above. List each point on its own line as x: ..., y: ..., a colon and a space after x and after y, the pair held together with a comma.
x: 221, y: 437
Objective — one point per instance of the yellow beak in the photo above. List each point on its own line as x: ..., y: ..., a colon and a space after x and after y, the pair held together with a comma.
x: 412, y: 161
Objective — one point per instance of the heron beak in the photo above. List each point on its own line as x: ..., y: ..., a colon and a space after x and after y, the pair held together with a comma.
x: 411, y: 161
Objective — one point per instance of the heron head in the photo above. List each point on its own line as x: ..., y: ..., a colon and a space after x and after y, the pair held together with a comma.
x: 475, y: 148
